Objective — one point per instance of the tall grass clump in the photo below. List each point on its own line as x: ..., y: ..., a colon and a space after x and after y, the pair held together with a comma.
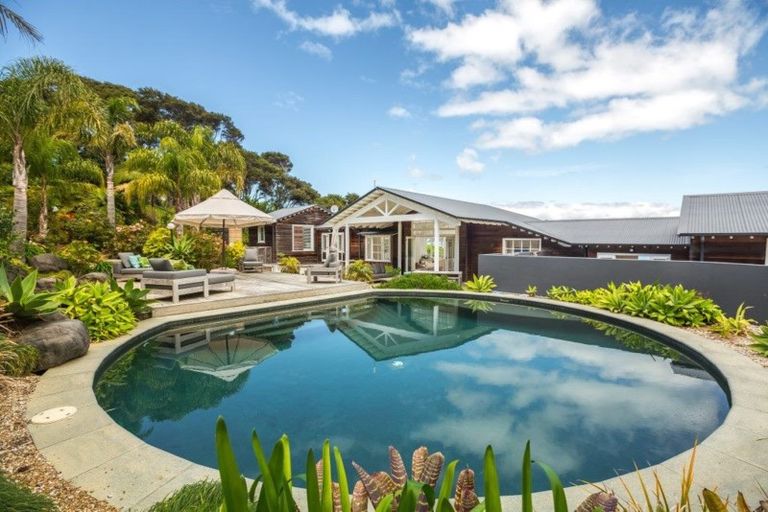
x: 15, y: 498
x: 203, y: 496
x: 419, y: 281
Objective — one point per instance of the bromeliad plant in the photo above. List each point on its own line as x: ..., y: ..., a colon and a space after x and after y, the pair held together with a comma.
x: 21, y: 299
x: 760, y: 340
x: 289, y: 264
x: 359, y: 270
x: 387, y: 492
x: 480, y: 284
x: 736, y: 325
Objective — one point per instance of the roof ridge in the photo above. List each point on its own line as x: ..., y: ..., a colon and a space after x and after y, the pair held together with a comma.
x: 727, y: 193
x: 609, y: 218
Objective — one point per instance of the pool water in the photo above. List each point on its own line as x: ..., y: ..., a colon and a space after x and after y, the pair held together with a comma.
x: 453, y: 375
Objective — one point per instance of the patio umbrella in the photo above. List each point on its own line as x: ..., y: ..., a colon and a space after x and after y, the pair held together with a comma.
x: 223, y: 210
x: 226, y: 358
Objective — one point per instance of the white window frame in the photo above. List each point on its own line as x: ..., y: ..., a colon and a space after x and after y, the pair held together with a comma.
x: 311, y: 237
x: 634, y: 256
x: 261, y: 234
x: 325, y: 239
x: 520, y: 245
x: 385, y: 255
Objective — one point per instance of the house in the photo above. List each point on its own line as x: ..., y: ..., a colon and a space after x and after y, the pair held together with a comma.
x: 421, y: 232
x: 294, y: 233
x: 726, y: 227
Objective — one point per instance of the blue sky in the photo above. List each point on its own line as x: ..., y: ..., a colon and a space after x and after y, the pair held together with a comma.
x: 554, y: 108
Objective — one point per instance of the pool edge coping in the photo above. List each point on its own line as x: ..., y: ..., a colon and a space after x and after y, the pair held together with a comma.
x: 95, y: 453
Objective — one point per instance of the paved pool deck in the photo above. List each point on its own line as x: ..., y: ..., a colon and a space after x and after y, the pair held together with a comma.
x: 92, y: 451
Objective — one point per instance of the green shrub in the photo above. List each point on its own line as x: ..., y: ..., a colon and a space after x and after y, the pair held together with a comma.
x: 22, y: 301
x: 673, y: 305
x: 180, y: 248
x: 359, y: 270
x: 421, y: 281
x: 203, y: 496
x: 135, y: 297
x: 156, y: 243
x: 737, y: 325
x: 84, y: 223
x: 32, y: 249
x: 531, y: 290
x: 81, y: 256
x: 105, y: 312
x: 207, y: 249
x: 289, y: 264
x: 235, y: 253
x: 15, y: 359
x: 760, y: 340
x: 129, y: 238
x: 480, y: 284
x: 391, y: 270
x: 16, y: 498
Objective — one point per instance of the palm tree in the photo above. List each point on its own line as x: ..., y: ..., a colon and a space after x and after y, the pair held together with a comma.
x: 55, y: 163
x: 113, y: 142
x: 36, y: 92
x: 25, y: 28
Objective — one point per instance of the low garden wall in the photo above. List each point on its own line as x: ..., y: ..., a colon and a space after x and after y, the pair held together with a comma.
x: 728, y: 284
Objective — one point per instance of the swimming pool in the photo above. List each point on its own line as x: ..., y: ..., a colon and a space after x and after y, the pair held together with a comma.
x: 451, y: 374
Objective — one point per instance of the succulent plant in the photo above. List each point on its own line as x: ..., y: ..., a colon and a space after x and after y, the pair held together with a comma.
x: 599, y: 501
x: 466, y: 498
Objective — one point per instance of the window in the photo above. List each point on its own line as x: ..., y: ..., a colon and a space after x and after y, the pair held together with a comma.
x: 325, y: 245
x: 303, y: 238
x: 261, y: 234
x: 521, y: 246
x: 633, y: 256
x: 378, y: 248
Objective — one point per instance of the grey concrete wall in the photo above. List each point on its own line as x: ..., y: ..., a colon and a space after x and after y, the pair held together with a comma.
x: 728, y: 284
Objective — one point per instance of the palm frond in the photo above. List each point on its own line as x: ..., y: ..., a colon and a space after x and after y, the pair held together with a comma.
x: 25, y: 28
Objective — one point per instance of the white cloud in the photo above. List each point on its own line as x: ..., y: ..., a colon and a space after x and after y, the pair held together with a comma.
x: 572, y: 74
x: 317, y: 49
x: 398, y: 112
x: 417, y: 173
x: 289, y: 100
x: 549, y: 210
x: 468, y: 162
x: 340, y: 23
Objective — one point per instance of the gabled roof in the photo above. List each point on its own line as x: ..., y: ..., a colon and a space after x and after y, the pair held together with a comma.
x: 744, y: 213
x: 293, y: 210
x: 630, y: 231
x: 464, y: 210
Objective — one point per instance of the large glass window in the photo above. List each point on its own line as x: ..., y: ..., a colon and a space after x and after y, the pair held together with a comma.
x: 378, y: 248
x: 521, y: 246
x: 260, y: 234
x: 303, y: 238
x: 325, y: 245
x: 421, y: 252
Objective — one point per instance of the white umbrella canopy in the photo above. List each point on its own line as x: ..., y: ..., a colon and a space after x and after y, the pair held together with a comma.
x: 222, y: 210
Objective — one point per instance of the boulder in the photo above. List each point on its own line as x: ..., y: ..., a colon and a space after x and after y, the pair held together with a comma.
x: 57, y: 341
x: 90, y: 277
x: 12, y: 271
x: 48, y: 263
x: 46, y: 284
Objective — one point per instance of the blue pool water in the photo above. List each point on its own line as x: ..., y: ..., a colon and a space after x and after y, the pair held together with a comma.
x: 453, y: 375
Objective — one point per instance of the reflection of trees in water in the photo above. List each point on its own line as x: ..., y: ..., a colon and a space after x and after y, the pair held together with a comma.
x: 139, y: 385
x: 634, y: 341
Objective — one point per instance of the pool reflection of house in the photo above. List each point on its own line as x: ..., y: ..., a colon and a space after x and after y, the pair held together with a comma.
x: 403, y: 328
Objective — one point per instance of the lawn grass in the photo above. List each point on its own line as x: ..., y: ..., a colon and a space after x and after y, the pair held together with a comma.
x: 203, y: 496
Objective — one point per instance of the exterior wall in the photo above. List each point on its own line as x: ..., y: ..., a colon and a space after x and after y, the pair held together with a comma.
x: 279, y: 236
x: 727, y: 284
x: 722, y: 248
x: 678, y: 252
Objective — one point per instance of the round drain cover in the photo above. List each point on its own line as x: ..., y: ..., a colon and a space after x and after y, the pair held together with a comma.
x: 55, y: 414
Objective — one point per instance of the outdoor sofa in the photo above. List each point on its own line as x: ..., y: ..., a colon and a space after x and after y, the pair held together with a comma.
x: 254, y: 260
x: 122, y: 267
x: 163, y: 277
x: 332, y: 268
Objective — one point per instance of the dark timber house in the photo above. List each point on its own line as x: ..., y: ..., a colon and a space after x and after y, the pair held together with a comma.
x: 294, y: 233
x: 420, y: 232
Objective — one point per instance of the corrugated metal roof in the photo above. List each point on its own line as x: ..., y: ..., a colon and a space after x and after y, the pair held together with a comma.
x: 631, y: 231
x: 287, y: 212
x: 464, y: 209
x: 744, y: 213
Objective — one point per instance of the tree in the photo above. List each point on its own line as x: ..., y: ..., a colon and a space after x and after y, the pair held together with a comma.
x: 338, y: 200
x: 113, y: 141
x: 37, y: 92
x: 25, y: 28
x: 55, y: 162
x: 268, y: 181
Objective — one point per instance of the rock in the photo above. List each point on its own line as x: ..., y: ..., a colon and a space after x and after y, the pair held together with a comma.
x: 46, y: 284
x: 57, y: 341
x: 90, y: 277
x: 48, y: 263
x: 13, y: 271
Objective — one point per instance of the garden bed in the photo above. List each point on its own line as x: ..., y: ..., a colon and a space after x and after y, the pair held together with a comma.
x: 20, y: 459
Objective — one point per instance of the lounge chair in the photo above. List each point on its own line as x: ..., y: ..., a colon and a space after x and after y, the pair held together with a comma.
x: 331, y: 268
x: 183, y: 282
x: 254, y: 260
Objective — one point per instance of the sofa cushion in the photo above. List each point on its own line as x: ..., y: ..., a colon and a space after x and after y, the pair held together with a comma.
x: 134, y: 261
x: 173, y: 274
x: 124, y: 258
x: 144, y: 262
x: 133, y: 271
x: 378, y: 267
x: 161, y: 264
x: 332, y: 260
x: 215, y: 278
x: 251, y: 254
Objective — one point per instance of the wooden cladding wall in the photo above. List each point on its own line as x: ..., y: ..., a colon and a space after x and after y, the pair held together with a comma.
x: 739, y: 249
x: 280, y: 235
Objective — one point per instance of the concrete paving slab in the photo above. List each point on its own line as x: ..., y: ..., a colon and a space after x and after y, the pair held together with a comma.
x: 86, y: 420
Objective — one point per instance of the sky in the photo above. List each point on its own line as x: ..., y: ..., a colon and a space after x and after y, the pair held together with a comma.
x: 557, y: 108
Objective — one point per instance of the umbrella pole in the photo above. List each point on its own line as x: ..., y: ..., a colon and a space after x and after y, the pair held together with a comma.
x: 223, y: 247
